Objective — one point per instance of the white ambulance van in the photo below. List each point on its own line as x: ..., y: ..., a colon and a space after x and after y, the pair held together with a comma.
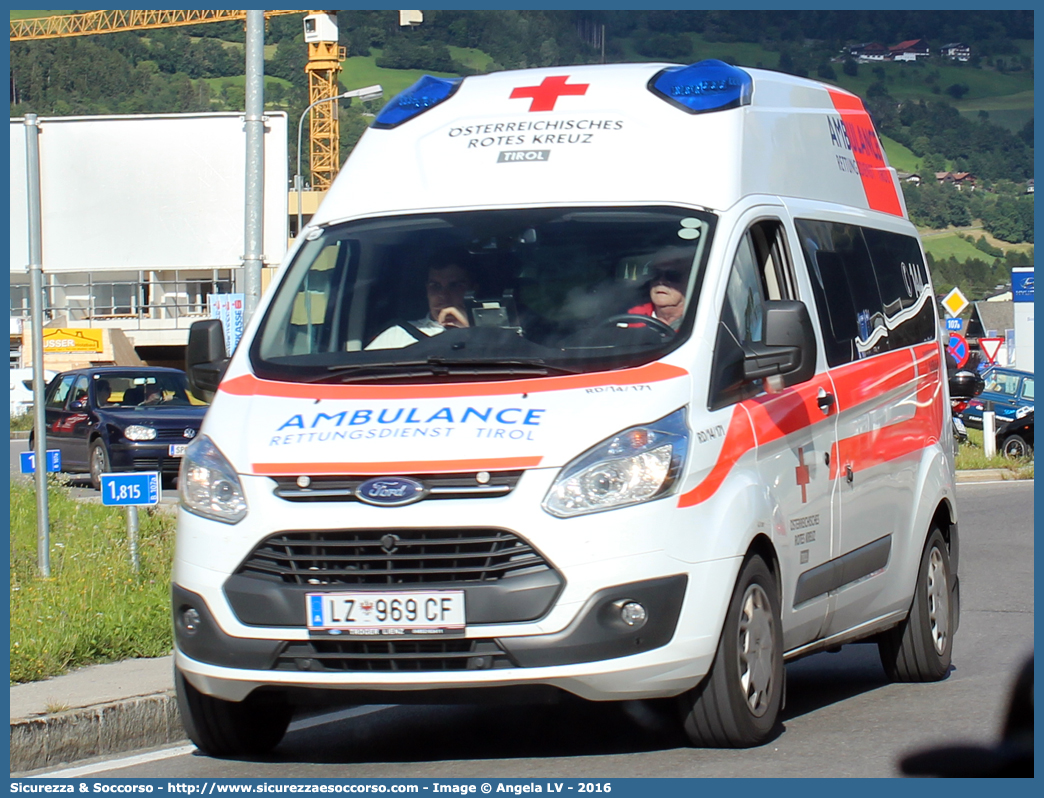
x: 619, y: 381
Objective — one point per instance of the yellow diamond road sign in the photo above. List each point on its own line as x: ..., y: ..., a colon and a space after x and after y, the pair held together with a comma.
x: 955, y: 302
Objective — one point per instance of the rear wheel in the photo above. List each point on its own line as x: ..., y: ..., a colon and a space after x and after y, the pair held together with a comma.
x: 1016, y: 446
x: 919, y: 649
x: 251, y: 727
x: 737, y: 705
x: 99, y: 463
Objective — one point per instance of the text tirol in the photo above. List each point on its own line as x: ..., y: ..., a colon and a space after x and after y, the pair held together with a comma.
x: 355, y: 418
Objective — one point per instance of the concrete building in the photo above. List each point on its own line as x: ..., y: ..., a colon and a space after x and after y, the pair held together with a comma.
x: 143, y: 218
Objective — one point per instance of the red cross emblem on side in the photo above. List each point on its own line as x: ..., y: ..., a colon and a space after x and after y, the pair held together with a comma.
x: 803, y: 475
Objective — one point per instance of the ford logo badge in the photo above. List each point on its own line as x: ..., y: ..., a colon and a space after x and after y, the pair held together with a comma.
x: 391, y: 491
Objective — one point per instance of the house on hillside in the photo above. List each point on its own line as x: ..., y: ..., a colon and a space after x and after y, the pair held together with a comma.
x: 956, y: 51
x: 910, y: 50
x: 909, y: 177
x: 1029, y: 186
x: 869, y: 51
x: 961, y: 180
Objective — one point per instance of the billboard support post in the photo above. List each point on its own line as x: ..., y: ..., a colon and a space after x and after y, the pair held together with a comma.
x: 32, y: 170
x: 255, y: 159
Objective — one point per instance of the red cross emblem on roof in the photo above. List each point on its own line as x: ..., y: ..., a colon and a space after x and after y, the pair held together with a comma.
x: 547, y: 93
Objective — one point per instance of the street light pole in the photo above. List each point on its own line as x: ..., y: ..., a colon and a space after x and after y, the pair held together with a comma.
x: 368, y: 93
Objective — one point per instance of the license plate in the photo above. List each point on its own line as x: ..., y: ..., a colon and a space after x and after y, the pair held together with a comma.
x: 411, y: 612
x: 177, y: 449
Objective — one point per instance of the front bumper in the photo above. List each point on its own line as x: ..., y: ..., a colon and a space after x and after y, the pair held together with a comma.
x: 145, y: 456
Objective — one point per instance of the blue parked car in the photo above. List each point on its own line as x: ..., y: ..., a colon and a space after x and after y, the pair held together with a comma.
x: 121, y: 418
x: 1010, y: 391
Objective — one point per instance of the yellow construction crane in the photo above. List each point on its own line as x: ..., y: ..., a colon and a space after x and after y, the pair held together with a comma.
x: 323, y: 67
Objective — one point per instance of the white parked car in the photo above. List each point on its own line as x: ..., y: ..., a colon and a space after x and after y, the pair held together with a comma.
x: 22, y: 389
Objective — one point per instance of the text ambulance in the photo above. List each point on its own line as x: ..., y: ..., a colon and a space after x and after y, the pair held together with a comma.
x: 624, y: 381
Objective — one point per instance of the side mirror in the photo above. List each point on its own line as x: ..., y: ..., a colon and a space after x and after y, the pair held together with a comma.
x: 788, y: 347
x: 205, y: 357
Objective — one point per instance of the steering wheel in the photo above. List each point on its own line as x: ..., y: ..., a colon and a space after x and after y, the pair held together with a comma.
x: 634, y: 318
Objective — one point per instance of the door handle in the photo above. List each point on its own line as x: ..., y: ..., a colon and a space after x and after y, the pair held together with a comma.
x: 825, y: 401
x: 849, y: 474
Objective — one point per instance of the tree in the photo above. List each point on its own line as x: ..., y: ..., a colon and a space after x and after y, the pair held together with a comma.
x: 850, y: 67
x: 957, y: 90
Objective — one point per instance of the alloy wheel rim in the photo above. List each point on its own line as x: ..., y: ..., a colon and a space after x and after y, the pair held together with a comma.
x: 938, y: 601
x: 97, y: 463
x: 756, y: 650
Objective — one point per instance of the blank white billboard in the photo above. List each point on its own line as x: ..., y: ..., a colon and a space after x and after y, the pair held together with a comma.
x: 162, y: 191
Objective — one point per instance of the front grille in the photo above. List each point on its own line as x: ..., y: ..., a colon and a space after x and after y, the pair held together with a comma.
x: 440, y: 486
x: 393, y: 556
x: 392, y: 655
x: 178, y: 433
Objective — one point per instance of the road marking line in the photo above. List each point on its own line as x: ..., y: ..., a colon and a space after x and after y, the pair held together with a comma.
x: 114, y: 764
x: 333, y: 717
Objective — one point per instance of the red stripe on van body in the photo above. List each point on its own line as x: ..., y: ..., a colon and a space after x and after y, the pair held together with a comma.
x: 249, y: 385
x: 773, y: 416
x: 881, y: 194
x: 739, y: 439
x: 399, y: 467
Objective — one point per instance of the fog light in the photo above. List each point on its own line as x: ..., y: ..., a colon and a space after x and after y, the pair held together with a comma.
x: 633, y: 614
x: 190, y: 621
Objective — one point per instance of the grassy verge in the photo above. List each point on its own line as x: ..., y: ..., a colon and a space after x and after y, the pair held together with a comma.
x: 23, y: 422
x: 93, y: 608
x: 972, y: 457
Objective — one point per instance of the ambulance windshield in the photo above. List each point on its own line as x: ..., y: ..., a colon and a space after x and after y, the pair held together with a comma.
x: 489, y: 294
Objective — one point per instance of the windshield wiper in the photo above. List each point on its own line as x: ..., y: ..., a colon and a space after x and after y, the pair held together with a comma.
x: 441, y: 367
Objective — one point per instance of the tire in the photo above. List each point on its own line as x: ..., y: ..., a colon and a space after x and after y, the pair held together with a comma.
x: 99, y: 462
x: 219, y: 728
x: 1015, y: 446
x: 919, y: 649
x: 737, y: 705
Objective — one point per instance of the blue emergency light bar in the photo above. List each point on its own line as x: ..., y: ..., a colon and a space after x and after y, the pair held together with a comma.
x: 424, y: 94
x: 709, y: 85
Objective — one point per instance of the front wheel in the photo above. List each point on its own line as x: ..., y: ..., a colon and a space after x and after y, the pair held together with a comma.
x: 251, y: 727
x: 919, y: 649
x: 737, y: 705
x: 99, y: 463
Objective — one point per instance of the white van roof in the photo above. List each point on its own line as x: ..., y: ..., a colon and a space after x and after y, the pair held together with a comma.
x: 706, y: 134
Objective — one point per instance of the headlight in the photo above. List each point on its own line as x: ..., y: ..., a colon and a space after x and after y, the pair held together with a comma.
x: 208, y: 484
x: 633, y: 466
x: 138, y: 432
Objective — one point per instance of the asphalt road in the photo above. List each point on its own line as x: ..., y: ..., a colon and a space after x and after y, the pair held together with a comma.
x: 842, y: 719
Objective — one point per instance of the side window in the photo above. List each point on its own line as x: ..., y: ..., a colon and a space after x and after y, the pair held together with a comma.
x: 761, y: 270
x: 1027, y: 389
x: 905, y: 293
x: 79, y: 392
x: 871, y: 289
x: 57, y: 400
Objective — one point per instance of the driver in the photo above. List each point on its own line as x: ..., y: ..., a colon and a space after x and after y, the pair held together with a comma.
x: 667, y: 287
x: 448, y: 281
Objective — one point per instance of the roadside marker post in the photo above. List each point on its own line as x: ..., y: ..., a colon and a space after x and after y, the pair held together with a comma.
x: 28, y: 461
x: 130, y: 491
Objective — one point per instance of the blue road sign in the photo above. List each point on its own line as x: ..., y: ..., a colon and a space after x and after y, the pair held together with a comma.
x: 133, y: 488
x: 953, y: 325
x: 54, y: 461
x: 958, y: 347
